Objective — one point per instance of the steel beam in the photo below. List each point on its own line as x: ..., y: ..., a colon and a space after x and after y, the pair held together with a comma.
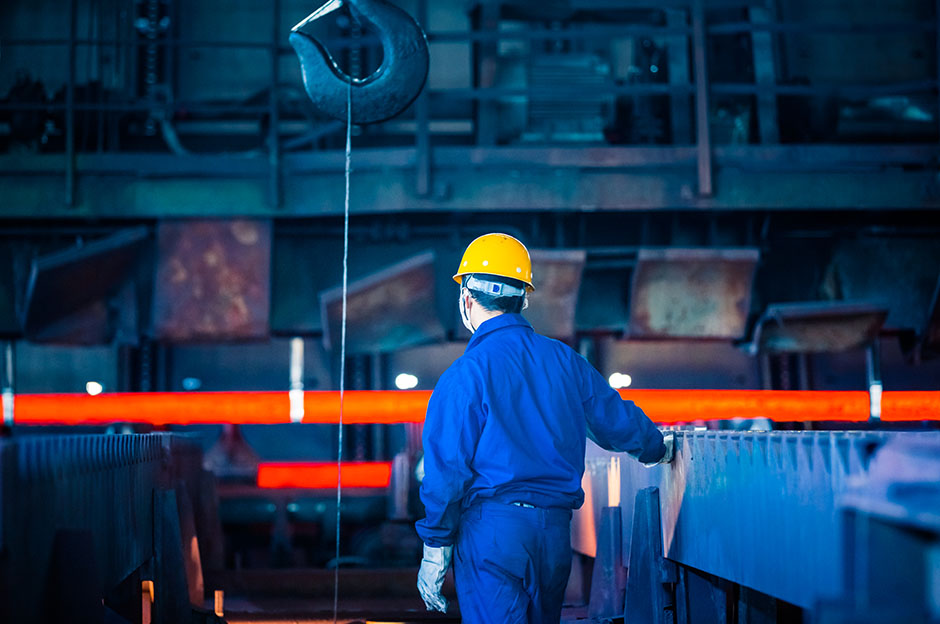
x: 780, y: 158
x: 762, y: 47
x: 524, y: 189
x: 70, y: 110
x: 702, y: 122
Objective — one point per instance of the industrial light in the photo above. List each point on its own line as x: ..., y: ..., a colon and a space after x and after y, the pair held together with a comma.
x: 620, y: 380
x: 94, y: 388
x: 406, y: 382
x: 191, y: 383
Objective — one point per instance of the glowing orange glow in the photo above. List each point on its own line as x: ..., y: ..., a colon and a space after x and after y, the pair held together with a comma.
x: 910, y: 406
x: 323, y: 475
x: 682, y: 406
x: 192, y: 408
x: 398, y: 406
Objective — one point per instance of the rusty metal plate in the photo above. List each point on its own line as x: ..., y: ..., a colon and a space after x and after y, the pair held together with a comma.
x: 817, y: 327
x: 213, y: 280
x: 692, y: 293
x: 68, y: 291
x: 388, y: 310
x: 557, y: 277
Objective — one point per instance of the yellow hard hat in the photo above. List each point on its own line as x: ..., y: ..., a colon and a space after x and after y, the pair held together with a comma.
x: 497, y: 254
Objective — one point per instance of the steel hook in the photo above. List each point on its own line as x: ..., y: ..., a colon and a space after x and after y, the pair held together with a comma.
x: 385, y: 93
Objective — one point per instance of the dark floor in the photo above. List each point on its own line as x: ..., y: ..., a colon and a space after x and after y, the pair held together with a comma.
x: 368, y: 611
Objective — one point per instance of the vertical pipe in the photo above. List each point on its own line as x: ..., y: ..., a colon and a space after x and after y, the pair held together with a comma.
x: 937, y: 51
x: 8, y: 384
x: 677, y: 47
x: 296, y: 393
x: 70, y: 112
x: 423, y: 124
x: 376, y: 377
x: 873, y: 368
x: 274, y: 151
x: 762, y: 50
x: 703, y: 132
x: 485, y: 65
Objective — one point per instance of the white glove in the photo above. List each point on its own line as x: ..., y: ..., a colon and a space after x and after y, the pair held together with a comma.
x: 431, y: 576
x: 670, y: 441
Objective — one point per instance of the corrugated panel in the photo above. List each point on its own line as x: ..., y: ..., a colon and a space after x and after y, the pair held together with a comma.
x: 759, y: 509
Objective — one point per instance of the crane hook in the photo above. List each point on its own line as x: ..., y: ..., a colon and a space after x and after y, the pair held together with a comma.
x: 385, y: 93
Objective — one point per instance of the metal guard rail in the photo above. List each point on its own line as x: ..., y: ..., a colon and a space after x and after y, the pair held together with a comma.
x: 760, y: 509
x: 101, y: 486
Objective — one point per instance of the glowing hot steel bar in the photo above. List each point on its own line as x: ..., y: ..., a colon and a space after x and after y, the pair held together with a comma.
x: 323, y: 475
x: 389, y: 407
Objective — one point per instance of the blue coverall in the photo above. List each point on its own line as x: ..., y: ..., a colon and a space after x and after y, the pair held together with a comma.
x: 504, y: 442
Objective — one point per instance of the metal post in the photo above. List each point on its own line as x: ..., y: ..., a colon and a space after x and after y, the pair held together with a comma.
x: 376, y: 378
x: 937, y: 63
x: 70, y: 112
x: 703, y: 132
x: 677, y: 46
x: 296, y: 393
x: 873, y: 368
x: 423, y: 124
x: 764, y: 75
x: 486, y: 58
x: 8, y: 384
x: 274, y: 151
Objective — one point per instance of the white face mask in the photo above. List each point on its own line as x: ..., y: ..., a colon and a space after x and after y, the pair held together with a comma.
x: 464, y: 314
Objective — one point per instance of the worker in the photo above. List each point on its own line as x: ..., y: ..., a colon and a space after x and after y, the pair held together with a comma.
x: 504, y: 443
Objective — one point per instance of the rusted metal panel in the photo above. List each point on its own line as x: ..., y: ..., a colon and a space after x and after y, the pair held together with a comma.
x: 67, y: 293
x: 817, y: 327
x: 213, y: 280
x: 388, y: 310
x: 692, y: 293
x: 557, y: 276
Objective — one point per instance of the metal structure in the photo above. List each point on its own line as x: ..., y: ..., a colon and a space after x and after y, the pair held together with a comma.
x: 746, y: 511
x: 722, y: 167
x: 85, y: 519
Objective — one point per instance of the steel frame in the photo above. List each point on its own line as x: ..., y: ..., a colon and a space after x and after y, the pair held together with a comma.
x: 426, y: 162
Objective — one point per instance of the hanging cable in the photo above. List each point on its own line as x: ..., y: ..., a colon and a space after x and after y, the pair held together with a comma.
x: 342, y: 348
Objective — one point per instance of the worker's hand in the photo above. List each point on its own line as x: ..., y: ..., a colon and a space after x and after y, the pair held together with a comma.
x: 670, y: 441
x: 431, y: 576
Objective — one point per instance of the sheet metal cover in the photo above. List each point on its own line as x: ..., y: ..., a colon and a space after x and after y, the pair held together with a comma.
x: 692, y: 293
x: 557, y: 276
x: 213, y: 280
x: 817, y: 327
x: 388, y: 310
x: 79, y: 280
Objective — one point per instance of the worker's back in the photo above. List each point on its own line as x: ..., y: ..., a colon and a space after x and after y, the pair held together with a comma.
x: 529, y: 389
x: 507, y: 422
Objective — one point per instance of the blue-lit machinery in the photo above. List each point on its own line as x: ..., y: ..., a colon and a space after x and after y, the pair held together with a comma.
x: 99, y: 527
x: 827, y: 526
